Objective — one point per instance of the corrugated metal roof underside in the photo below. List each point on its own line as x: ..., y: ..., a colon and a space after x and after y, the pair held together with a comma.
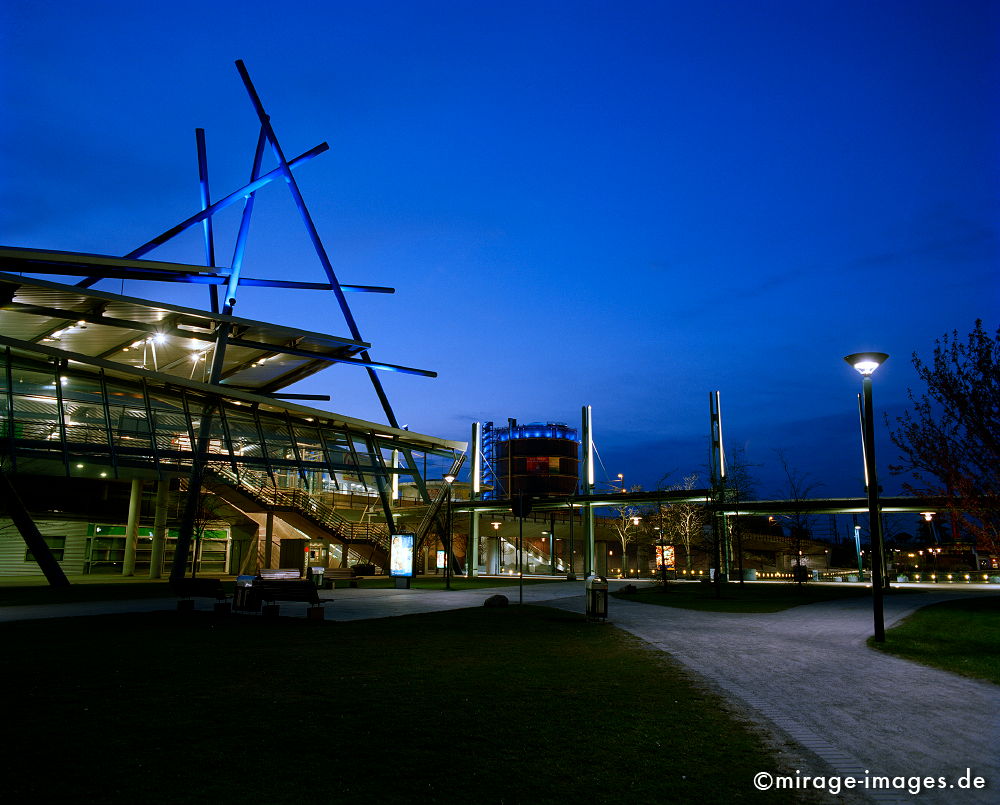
x: 164, y: 338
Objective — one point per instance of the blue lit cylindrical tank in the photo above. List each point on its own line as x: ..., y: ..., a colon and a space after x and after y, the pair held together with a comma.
x: 537, y: 459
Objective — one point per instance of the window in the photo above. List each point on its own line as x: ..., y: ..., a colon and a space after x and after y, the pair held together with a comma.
x: 537, y: 466
x: 56, y: 544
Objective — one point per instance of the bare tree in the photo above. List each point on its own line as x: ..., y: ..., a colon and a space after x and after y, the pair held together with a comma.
x: 740, y: 486
x: 211, y: 513
x: 799, y: 523
x: 685, y: 522
x: 949, y: 440
x: 626, y: 527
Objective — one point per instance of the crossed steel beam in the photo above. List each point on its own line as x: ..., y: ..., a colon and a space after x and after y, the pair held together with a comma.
x: 231, y: 277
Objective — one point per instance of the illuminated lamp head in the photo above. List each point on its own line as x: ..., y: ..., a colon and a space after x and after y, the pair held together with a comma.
x: 866, y: 362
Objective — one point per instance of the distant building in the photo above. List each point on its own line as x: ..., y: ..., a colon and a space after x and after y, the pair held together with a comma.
x: 538, y: 459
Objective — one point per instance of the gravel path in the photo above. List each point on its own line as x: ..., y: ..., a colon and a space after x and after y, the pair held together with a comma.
x: 807, y: 672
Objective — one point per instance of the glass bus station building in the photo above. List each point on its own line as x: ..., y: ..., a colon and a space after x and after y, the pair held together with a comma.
x: 105, y: 400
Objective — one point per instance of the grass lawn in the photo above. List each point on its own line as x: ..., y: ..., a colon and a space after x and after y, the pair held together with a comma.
x: 749, y: 597
x: 961, y: 636
x: 517, y: 705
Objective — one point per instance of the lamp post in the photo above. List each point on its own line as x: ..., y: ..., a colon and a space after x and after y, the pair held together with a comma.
x: 520, y: 547
x: 866, y: 363
x: 857, y: 547
x: 663, y: 555
x: 635, y: 523
x: 571, y: 576
x: 663, y: 548
x: 621, y: 480
x: 929, y: 519
x: 449, y: 479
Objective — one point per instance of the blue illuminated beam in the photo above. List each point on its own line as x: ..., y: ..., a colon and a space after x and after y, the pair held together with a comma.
x: 221, y: 204
x: 31, y: 261
x: 366, y: 362
x: 241, y: 239
x: 229, y: 301
x: 285, y: 168
x: 206, y: 202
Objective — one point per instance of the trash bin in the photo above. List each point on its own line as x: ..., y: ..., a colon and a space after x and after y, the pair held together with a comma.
x: 245, y: 599
x: 597, y: 597
x: 316, y: 573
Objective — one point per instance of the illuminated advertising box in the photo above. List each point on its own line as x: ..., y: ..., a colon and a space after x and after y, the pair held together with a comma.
x: 665, y: 557
x: 401, y: 555
x: 440, y: 560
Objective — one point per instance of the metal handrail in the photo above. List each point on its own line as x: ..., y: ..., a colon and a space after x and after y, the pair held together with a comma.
x: 435, y: 507
x: 304, y: 504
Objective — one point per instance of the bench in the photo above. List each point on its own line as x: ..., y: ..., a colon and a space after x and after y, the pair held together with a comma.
x: 280, y: 573
x: 265, y: 593
x: 187, y: 589
x: 334, y: 574
x: 287, y: 590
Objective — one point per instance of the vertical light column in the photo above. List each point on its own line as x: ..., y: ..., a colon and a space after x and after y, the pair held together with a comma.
x: 132, y: 527
x: 159, y: 530
x: 475, y: 485
x: 718, y: 468
x: 588, y: 489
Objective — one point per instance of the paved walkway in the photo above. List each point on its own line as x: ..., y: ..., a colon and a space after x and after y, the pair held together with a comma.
x: 808, y: 672
x: 804, y: 674
x: 345, y: 605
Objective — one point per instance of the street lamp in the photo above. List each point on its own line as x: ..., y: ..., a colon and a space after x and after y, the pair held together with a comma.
x: 929, y: 518
x: 449, y: 479
x: 663, y: 549
x: 857, y: 547
x: 635, y: 522
x: 866, y: 363
x: 663, y: 554
x: 621, y: 480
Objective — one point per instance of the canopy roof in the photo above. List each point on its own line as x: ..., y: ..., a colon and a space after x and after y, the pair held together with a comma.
x: 168, y: 339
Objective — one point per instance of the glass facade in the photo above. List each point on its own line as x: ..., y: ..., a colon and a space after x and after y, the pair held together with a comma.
x: 83, y: 421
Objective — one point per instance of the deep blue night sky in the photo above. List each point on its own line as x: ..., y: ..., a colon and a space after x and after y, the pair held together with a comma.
x: 624, y: 204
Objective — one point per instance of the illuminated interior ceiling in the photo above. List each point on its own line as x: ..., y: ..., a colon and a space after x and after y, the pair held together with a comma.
x: 165, y: 338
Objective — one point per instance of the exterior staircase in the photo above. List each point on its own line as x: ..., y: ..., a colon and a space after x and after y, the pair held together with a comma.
x: 253, y: 492
x: 434, y: 510
x: 315, y: 514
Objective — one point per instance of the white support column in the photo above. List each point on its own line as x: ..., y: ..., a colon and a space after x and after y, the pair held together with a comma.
x: 492, y: 555
x: 472, y: 549
x: 475, y: 482
x: 159, y: 530
x: 132, y: 528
